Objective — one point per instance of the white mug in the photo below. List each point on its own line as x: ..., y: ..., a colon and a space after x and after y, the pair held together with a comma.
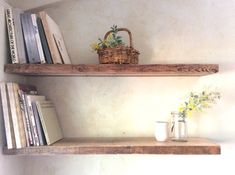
x: 161, y: 131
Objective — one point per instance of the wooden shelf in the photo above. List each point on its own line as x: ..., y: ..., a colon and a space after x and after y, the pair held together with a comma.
x: 112, y: 69
x: 120, y: 146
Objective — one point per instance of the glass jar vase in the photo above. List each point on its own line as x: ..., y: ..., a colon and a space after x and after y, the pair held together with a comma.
x: 179, y: 131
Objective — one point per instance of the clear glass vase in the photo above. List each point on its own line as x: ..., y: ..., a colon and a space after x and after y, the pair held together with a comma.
x: 179, y: 130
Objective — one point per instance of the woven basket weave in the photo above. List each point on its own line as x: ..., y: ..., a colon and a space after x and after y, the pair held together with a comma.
x: 119, y: 55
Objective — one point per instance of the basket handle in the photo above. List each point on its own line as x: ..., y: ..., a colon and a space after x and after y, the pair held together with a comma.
x: 121, y: 29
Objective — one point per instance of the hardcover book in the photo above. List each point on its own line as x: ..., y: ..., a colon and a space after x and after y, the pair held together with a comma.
x: 14, y: 114
x: 19, y: 36
x: 29, y: 100
x: 49, y: 120
x: 51, y: 29
x: 44, y: 41
x: 37, y: 37
x: 10, y: 138
x: 23, y: 90
x: 11, y: 36
x: 29, y: 38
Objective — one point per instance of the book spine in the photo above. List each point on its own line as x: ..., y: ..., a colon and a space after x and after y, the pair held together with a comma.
x: 27, y: 121
x: 12, y: 37
x: 44, y: 41
x: 37, y: 37
x: 14, y: 115
x: 19, y: 115
x: 6, y: 117
x: 19, y: 36
x: 20, y: 94
x: 29, y: 38
x: 38, y: 125
x: 32, y: 121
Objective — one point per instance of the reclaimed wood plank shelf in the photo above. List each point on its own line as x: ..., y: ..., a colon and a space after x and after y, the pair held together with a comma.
x: 112, y: 69
x: 136, y: 145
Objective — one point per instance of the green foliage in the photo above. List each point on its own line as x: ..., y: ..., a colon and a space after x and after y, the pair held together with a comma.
x: 112, y: 41
x: 198, y: 102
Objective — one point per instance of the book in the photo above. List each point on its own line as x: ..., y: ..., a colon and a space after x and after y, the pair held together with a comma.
x: 49, y: 120
x: 41, y: 136
x: 11, y: 36
x: 20, y: 117
x: 51, y: 28
x: 37, y: 37
x: 44, y: 41
x: 62, y: 49
x: 13, y: 110
x: 19, y: 36
x: 29, y: 100
x: 23, y: 90
x: 7, y: 117
x: 29, y: 38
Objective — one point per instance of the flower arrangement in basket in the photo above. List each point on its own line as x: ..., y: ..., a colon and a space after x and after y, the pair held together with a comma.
x: 112, y: 50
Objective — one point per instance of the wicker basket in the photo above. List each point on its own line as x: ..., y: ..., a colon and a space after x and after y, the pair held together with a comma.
x: 119, y: 55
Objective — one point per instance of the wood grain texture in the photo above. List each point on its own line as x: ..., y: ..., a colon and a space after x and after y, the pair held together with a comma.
x: 112, y: 69
x: 136, y: 145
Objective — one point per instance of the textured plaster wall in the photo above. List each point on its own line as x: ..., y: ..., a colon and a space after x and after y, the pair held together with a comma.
x: 9, y: 165
x: 164, y: 31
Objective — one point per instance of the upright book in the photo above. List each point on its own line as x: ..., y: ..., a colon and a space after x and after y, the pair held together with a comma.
x: 10, y: 138
x: 52, y: 29
x: 29, y: 38
x: 11, y: 36
x: 30, y: 99
x: 50, y: 123
x: 16, y: 120
x: 19, y: 36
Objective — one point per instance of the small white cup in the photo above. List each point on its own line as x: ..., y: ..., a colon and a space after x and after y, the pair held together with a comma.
x: 161, y: 131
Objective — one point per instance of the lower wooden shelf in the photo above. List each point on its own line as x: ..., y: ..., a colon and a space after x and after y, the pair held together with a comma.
x: 133, y: 145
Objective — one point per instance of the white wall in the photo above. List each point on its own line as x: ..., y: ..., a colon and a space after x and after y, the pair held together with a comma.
x: 169, y: 31
x: 9, y: 165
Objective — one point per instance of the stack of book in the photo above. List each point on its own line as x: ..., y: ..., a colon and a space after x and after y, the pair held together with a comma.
x: 35, y: 38
x: 29, y: 119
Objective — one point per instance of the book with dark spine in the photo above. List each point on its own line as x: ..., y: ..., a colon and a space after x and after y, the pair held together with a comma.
x: 37, y: 37
x: 11, y: 36
x: 29, y: 38
x: 42, y: 139
x: 44, y: 41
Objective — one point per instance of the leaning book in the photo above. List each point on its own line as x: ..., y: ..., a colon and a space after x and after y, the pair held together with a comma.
x: 49, y: 120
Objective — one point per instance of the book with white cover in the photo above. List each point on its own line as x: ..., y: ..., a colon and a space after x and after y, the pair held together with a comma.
x: 29, y: 100
x: 11, y: 36
x: 7, y: 118
x: 19, y: 36
x: 16, y: 127
x: 49, y: 120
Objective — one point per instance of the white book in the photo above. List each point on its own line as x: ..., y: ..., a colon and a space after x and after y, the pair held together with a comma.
x: 38, y: 40
x: 14, y: 115
x: 49, y: 120
x: 11, y: 36
x: 29, y: 100
x: 19, y: 36
x: 7, y: 117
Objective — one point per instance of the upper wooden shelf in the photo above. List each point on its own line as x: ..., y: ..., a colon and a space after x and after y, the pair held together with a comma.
x: 112, y: 69
x: 136, y: 145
